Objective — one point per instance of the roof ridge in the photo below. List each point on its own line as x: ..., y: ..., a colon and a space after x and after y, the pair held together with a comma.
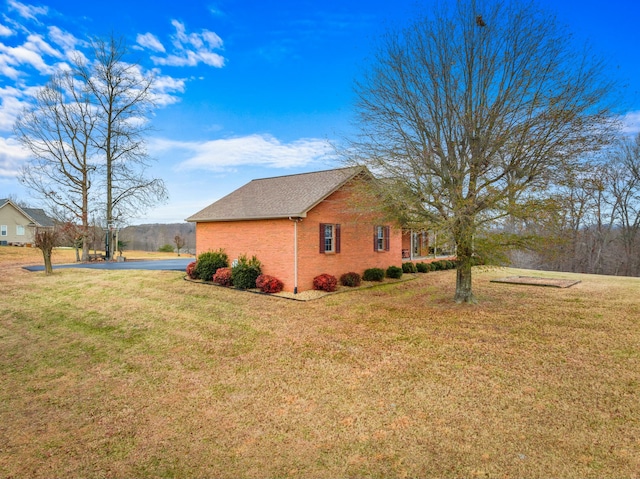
x: 306, y: 173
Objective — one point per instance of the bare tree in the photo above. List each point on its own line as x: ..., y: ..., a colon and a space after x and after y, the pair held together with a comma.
x: 123, y: 97
x: 625, y: 189
x: 57, y: 130
x: 46, y: 239
x: 469, y: 114
x: 179, y: 242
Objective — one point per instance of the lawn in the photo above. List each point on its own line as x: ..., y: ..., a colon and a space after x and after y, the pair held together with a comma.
x: 143, y: 374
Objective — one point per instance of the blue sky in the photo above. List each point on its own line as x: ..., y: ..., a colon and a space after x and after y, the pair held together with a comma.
x: 247, y: 89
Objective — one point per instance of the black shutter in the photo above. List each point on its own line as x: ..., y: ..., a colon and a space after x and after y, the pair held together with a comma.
x: 337, y: 235
x: 322, y: 237
x: 375, y: 238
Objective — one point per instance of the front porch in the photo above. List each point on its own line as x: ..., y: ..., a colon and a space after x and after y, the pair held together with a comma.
x: 424, y: 246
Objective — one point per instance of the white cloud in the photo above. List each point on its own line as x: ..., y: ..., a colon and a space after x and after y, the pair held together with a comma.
x: 150, y: 41
x: 12, y: 102
x: 165, y: 88
x: 27, y: 11
x: 252, y: 150
x: 191, y: 49
x: 12, y: 157
x: 30, y: 53
x: 5, y: 31
x: 631, y: 123
x: 63, y: 39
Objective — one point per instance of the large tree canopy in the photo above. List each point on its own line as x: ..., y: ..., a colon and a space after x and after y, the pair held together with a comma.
x: 86, y: 133
x: 471, y: 111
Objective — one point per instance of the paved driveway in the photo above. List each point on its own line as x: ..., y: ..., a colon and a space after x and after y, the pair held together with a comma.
x: 155, y: 265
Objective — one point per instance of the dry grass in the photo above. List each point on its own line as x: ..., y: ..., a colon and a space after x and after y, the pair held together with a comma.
x: 142, y: 374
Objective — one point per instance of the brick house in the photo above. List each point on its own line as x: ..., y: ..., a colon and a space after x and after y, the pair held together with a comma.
x: 300, y: 226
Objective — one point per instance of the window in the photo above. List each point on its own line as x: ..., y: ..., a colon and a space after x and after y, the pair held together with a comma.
x: 19, y: 230
x: 329, y: 238
x: 3, y: 230
x: 381, y: 238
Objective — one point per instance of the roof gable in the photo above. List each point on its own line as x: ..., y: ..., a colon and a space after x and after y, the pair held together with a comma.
x: 278, y: 197
x: 36, y: 215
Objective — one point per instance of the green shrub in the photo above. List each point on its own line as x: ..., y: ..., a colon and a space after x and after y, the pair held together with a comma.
x: 373, y: 274
x: 166, y: 248
x: 325, y: 282
x: 394, y: 272
x: 409, y: 267
x: 245, y: 272
x: 451, y: 264
x: 423, y: 267
x: 208, y: 263
x: 350, y: 279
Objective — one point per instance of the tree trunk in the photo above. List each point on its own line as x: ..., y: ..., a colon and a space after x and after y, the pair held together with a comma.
x: 464, y: 252
x: 48, y: 269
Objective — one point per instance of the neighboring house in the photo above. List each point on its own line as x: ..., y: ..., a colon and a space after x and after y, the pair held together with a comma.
x: 300, y: 226
x: 18, y: 225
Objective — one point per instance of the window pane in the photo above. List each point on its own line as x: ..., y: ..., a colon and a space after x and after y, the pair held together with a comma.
x: 20, y: 230
x: 3, y: 230
x: 380, y: 243
x: 328, y: 237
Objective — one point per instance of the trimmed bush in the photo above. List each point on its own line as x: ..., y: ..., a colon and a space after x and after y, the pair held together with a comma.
x: 191, y: 270
x: 245, y: 273
x: 422, y: 267
x: 409, y: 268
x: 269, y: 284
x: 166, y: 248
x: 223, y: 277
x: 373, y: 274
x: 208, y: 263
x: 325, y: 282
x: 350, y: 279
x: 394, y: 272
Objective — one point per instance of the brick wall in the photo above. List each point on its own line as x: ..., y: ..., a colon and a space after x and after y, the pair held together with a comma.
x: 272, y: 241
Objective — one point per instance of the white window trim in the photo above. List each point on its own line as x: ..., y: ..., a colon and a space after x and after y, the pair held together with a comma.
x: 4, y: 230
x: 20, y: 230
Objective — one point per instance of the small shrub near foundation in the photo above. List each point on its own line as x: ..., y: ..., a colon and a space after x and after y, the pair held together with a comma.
x: 373, y: 274
x: 208, y: 263
x: 422, y: 267
x: 245, y: 272
x: 350, y: 279
x: 325, y: 282
x: 191, y: 270
x: 409, y: 268
x: 394, y: 272
x: 223, y: 277
x: 269, y: 284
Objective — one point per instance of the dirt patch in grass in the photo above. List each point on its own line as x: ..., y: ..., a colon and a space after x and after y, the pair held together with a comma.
x: 142, y: 374
x: 537, y: 281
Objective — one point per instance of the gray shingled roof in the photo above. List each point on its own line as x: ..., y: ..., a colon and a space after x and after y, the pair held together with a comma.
x: 39, y: 216
x: 279, y: 197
